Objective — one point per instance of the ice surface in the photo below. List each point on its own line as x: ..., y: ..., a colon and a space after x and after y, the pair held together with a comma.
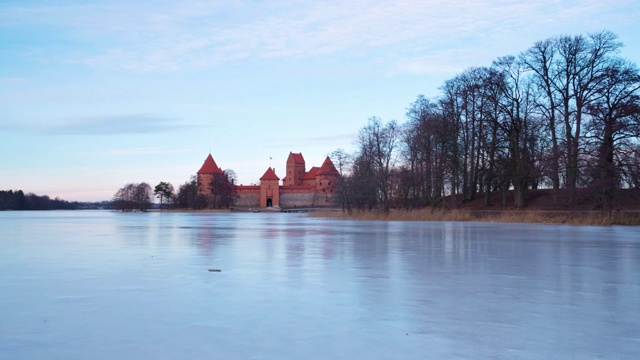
x: 106, y: 285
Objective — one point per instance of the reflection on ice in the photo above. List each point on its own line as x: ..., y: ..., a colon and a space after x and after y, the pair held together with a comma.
x: 110, y: 285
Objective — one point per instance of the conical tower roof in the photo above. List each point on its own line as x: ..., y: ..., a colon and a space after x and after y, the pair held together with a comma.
x: 327, y: 168
x: 209, y: 166
x: 270, y: 175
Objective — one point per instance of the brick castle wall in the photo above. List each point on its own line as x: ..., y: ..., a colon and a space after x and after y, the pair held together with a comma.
x: 297, y: 199
x: 248, y: 196
x: 290, y: 197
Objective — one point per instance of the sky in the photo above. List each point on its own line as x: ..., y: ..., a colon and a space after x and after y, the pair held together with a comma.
x: 97, y: 94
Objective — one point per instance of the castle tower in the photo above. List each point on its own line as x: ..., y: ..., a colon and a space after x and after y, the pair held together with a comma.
x: 206, y: 174
x: 269, y: 189
x: 295, y: 170
x: 326, y: 178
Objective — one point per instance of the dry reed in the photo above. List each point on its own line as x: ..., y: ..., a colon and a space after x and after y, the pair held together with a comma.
x: 513, y: 216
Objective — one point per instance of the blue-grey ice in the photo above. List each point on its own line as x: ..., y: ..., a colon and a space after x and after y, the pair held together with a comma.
x: 107, y: 285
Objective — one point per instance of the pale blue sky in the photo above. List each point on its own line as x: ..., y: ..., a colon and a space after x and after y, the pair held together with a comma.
x: 95, y: 94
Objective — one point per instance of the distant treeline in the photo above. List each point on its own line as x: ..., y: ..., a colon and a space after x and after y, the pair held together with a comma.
x: 18, y: 200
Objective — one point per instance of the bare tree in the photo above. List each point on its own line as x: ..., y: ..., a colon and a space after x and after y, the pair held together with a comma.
x: 516, y: 123
x: 133, y: 197
x: 426, y: 142
x: 341, y: 160
x: 223, y: 190
x: 579, y: 71
x: 379, y: 141
x: 615, y: 115
x: 361, y: 184
x: 143, y: 196
x: 540, y: 60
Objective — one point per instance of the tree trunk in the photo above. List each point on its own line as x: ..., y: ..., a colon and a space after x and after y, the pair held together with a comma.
x: 519, y: 191
x: 607, y: 169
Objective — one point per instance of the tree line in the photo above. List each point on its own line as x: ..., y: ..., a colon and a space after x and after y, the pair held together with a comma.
x: 139, y: 196
x: 563, y: 114
x: 18, y: 200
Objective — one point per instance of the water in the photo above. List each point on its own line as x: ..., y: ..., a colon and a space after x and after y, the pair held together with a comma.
x: 105, y: 285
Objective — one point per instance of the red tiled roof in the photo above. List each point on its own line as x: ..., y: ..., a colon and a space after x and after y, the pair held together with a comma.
x: 269, y: 175
x: 297, y: 158
x: 311, y: 174
x: 327, y: 168
x: 209, y: 166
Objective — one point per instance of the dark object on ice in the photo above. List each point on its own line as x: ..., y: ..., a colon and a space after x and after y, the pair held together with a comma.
x: 215, y: 270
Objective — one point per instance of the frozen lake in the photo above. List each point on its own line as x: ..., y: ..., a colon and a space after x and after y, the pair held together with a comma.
x: 106, y: 285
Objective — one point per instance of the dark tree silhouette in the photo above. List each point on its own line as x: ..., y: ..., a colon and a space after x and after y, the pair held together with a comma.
x: 163, y: 190
x: 133, y: 197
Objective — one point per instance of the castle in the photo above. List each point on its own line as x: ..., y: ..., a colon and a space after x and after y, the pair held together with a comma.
x: 299, y: 188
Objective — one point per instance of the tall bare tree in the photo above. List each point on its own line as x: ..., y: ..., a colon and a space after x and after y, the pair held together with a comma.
x: 540, y: 60
x: 615, y: 117
x: 377, y: 145
x: 579, y: 70
x: 341, y: 159
x: 517, y: 123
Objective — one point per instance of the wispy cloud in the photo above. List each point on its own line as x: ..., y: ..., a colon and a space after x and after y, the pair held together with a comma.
x: 146, y: 151
x: 102, y: 125
x: 12, y: 80
x: 337, y: 138
x: 329, y: 142
x: 116, y: 125
x: 168, y: 36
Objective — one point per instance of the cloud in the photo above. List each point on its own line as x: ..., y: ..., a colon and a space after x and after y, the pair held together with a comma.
x: 324, y: 141
x: 12, y: 81
x: 447, y: 62
x: 117, y: 125
x: 338, y: 138
x: 146, y: 151
x: 165, y: 36
x: 103, y: 125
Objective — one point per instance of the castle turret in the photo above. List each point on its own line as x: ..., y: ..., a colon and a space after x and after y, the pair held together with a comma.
x: 326, y: 178
x: 295, y: 170
x: 206, y: 174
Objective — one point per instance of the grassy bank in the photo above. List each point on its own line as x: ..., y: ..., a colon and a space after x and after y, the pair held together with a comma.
x: 512, y: 216
x: 194, y: 211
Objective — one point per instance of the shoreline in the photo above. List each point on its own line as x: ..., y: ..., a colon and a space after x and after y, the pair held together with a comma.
x: 533, y: 216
